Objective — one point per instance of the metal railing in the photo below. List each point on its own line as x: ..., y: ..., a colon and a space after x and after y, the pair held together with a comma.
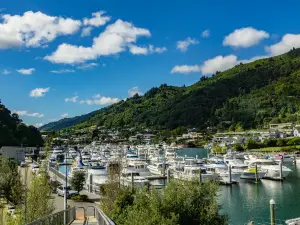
x: 102, y: 218
x: 57, y: 218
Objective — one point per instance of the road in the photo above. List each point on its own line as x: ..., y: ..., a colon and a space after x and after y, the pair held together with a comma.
x: 59, y: 201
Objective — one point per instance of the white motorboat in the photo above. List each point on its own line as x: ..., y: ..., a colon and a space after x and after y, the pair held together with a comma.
x: 76, y: 169
x: 222, y: 171
x: 140, y: 167
x: 193, y: 172
x: 138, y: 181
x: 97, y: 175
x: 271, y: 167
x: 158, y: 168
x: 286, y: 159
x: 251, y: 174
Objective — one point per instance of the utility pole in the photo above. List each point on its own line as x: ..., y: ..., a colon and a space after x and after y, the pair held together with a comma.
x: 66, y: 190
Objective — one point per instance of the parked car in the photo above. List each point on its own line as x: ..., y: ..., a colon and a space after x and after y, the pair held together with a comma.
x: 22, y: 164
x: 35, y: 168
x: 70, y: 193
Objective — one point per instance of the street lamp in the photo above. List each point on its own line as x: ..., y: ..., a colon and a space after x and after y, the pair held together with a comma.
x: 66, y: 187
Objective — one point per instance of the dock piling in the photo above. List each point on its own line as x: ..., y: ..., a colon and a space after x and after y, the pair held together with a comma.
x: 200, y: 177
x: 256, y: 174
x: 280, y: 170
x: 132, y: 182
x: 229, y: 174
x: 168, y: 175
x: 272, y: 212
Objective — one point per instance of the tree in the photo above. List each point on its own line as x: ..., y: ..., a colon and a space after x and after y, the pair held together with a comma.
x: 38, y: 199
x: 77, y: 181
x: 10, y: 181
x: 181, y: 202
x: 238, y: 147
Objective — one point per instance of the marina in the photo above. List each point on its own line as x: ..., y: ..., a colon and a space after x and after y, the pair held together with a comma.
x: 247, y: 200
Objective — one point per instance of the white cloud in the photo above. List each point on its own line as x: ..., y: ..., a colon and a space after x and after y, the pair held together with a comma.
x: 100, y: 100
x: 287, y: 42
x: 245, y: 37
x: 34, y: 29
x: 184, y: 45
x: 6, y: 72
x: 115, y: 39
x: 65, y: 115
x: 39, y: 92
x: 25, y: 113
x: 137, y: 50
x: 218, y: 63
x: 210, y: 66
x: 72, y: 99
x: 37, y: 125
x: 87, y: 66
x: 62, y: 71
x: 97, y: 20
x: 86, y: 31
x: 252, y: 59
x: 186, y: 69
x: 133, y: 91
x: 26, y: 71
x: 205, y: 33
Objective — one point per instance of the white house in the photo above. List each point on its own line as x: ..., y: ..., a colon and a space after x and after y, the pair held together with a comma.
x: 296, y: 132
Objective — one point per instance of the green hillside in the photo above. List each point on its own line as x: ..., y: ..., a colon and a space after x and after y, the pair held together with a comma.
x: 248, y: 94
x: 14, y: 132
x: 66, y: 122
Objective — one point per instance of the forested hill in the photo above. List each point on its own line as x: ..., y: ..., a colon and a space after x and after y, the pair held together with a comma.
x: 14, y: 132
x: 66, y: 122
x: 248, y: 95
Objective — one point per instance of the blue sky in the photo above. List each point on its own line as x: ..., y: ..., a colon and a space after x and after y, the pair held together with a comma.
x: 67, y: 58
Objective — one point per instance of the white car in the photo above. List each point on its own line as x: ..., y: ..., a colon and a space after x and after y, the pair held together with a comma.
x: 35, y: 168
x: 70, y: 193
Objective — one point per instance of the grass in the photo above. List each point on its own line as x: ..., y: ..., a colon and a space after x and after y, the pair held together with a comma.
x: 277, y: 149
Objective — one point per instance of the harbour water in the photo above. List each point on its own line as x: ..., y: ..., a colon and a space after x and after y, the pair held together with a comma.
x: 248, y: 201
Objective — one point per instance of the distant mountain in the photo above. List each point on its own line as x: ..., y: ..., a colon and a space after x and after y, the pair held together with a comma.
x: 248, y: 95
x: 66, y: 122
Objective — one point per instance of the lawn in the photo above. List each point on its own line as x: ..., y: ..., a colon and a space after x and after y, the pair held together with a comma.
x: 277, y: 149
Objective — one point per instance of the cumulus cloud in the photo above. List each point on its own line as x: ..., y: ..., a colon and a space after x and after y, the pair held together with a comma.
x: 287, y: 42
x: 39, y: 92
x: 245, y: 37
x: 37, y: 125
x: 205, y: 33
x: 210, y: 66
x: 87, y: 66
x: 34, y: 29
x: 97, y: 19
x: 218, y: 63
x: 6, y: 72
x: 26, y: 71
x: 25, y: 113
x: 86, y: 31
x: 186, y: 69
x: 62, y: 71
x: 72, y: 99
x: 100, y: 100
x: 65, y: 115
x: 184, y: 45
x: 115, y: 39
x: 137, y: 50
x: 133, y: 91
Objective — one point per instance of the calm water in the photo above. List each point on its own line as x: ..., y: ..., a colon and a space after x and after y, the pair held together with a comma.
x: 248, y: 201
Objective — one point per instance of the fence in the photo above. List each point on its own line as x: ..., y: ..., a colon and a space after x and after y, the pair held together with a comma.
x: 57, y: 218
